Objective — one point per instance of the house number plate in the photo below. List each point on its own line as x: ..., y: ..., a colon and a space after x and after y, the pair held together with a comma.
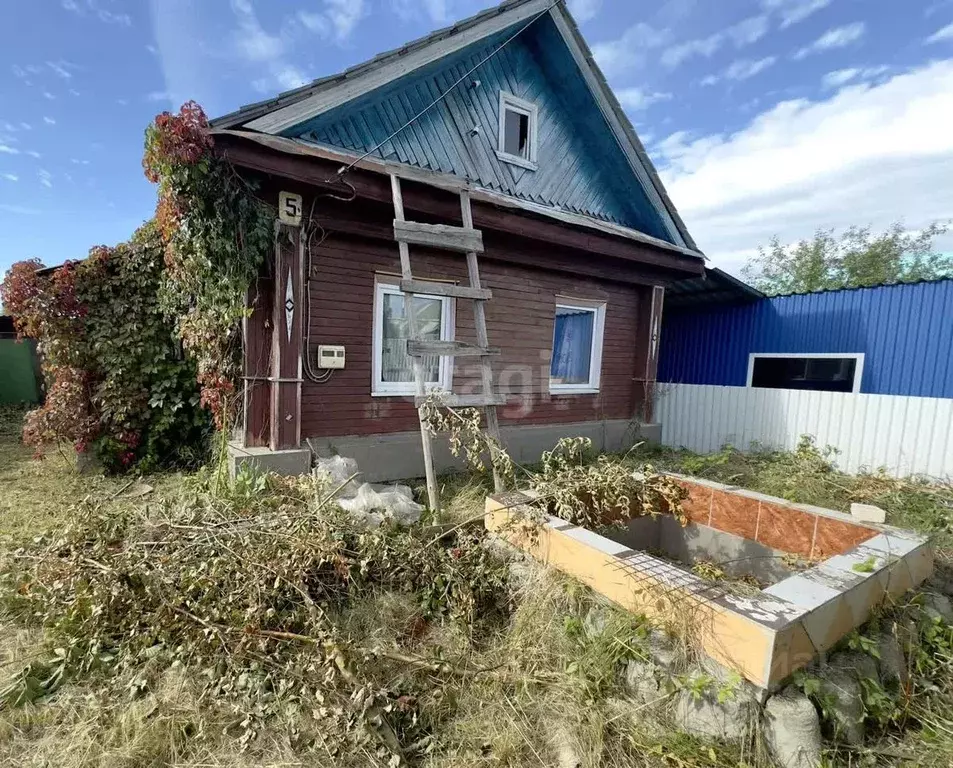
x: 289, y: 208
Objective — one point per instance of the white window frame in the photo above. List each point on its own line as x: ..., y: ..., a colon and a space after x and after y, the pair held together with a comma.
x: 595, y: 358
x: 515, y: 104
x: 858, y: 368
x: 381, y: 388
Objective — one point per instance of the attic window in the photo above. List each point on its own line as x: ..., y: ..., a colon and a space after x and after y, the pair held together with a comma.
x: 517, y: 139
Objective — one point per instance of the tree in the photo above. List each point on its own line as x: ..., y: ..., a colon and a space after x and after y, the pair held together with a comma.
x: 857, y: 258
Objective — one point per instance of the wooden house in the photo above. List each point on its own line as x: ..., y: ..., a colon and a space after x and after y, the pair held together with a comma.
x: 495, y: 142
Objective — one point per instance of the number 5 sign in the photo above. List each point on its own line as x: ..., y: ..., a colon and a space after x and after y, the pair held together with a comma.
x: 289, y: 208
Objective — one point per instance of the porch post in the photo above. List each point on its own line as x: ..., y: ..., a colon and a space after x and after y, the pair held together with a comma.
x: 650, y: 324
x: 256, y: 351
x: 288, y: 312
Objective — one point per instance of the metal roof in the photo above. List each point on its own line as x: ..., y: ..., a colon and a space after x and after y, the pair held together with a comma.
x: 251, y: 111
x: 714, y: 287
x: 864, y: 287
x: 561, y: 15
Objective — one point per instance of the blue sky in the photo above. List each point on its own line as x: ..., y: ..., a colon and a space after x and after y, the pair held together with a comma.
x: 764, y: 116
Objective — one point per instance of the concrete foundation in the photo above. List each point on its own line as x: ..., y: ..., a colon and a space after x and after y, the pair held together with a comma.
x: 735, y: 555
x: 296, y: 461
x: 399, y: 455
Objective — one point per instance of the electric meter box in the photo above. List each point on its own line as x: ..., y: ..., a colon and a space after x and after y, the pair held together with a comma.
x: 330, y: 357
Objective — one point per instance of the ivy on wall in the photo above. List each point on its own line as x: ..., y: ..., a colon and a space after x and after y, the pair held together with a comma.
x: 141, y: 343
x: 217, y: 234
x: 118, y: 383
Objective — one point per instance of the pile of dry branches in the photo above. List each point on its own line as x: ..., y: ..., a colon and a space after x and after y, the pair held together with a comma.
x: 242, y: 589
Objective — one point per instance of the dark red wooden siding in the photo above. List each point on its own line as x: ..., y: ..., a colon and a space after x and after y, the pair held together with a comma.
x: 519, y: 320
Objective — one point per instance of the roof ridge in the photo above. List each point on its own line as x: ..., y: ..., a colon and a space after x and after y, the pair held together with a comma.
x: 291, y: 96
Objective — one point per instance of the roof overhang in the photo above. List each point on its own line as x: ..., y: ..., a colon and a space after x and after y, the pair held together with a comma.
x: 715, y: 287
x: 689, y: 260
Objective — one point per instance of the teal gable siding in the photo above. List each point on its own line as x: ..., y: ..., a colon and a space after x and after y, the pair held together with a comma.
x: 581, y: 168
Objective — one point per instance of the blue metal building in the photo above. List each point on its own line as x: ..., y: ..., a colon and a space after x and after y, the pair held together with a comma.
x: 716, y: 331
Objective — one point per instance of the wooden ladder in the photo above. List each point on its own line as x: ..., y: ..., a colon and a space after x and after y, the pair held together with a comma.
x: 466, y: 240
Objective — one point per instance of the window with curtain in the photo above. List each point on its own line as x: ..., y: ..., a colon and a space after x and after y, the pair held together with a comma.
x: 577, y: 348
x: 393, y: 367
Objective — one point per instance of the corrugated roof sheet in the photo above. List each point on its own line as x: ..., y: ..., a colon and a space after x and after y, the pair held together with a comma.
x: 714, y: 287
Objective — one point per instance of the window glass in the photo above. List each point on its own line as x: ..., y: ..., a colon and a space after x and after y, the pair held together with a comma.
x: 516, y: 133
x: 572, y: 346
x: 396, y: 364
x: 393, y: 368
x: 824, y: 374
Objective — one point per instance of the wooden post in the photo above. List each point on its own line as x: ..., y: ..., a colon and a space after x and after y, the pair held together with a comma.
x: 256, y: 351
x: 287, y: 339
x: 651, y: 360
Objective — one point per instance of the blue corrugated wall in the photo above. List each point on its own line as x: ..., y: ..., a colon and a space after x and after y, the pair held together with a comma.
x: 581, y: 167
x: 904, y: 331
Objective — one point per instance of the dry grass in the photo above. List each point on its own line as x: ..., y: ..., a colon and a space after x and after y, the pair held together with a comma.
x: 38, y: 493
x: 567, y: 705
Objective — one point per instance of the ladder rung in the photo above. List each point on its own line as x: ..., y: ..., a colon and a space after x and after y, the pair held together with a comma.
x: 439, y: 236
x: 449, y: 348
x: 446, y: 289
x: 466, y: 401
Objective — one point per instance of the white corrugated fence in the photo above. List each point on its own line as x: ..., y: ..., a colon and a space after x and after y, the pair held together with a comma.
x: 904, y: 435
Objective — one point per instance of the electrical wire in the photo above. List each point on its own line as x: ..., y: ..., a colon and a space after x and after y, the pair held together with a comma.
x: 307, y: 233
x: 344, y: 169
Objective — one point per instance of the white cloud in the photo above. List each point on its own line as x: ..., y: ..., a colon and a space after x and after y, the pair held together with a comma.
x: 838, y: 37
x: 251, y: 40
x: 438, y: 11
x: 74, y: 161
x: 122, y: 102
x: 741, y: 69
x: 749, y: 31
x: 942, y: 35
x: 48, y: 95
x: 584, y: 10
x: 793, y: 11
x: 629, y: 50
x: 49, y: 121
x: 11, y: 177
x: 19, y: 209
x: 289, y: 77
x: 933, y: 7
x: 8, y: 150
x: 704, y: 46
x: 338, y: 19
x: 46, y: 178
x: 840, y: 77
x: 26, y: 126
x: 745, y: 68
x: 95, y: 8
x: 34, y: 153
x: 152, y: 49
x: 73, y: 92
x: 60, y: 69
x: 122, y: 19
x: 743, y: 33
x: 639, y: 98
x: 869, y: 154
x: 159, y: 96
